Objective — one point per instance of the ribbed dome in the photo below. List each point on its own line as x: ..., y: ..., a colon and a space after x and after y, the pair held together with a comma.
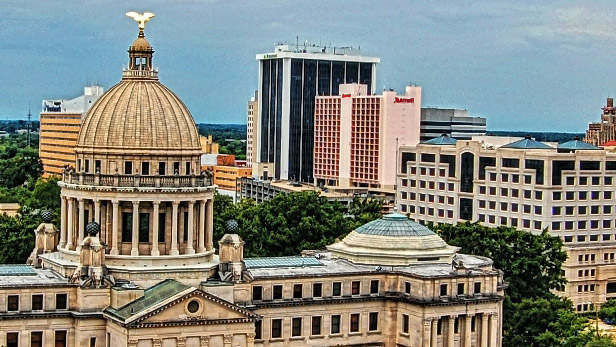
x: 141, y: 44
x: 394, y: 224
x: 393, y: 240
x: 138, y: 115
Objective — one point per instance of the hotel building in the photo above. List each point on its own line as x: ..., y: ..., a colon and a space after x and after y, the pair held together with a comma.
x: 357, y: 134
x: 60, y: 125
x: 289, y: 80
x: 568, y: 189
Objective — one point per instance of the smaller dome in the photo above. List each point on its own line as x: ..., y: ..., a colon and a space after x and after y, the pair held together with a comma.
x: 141, y: 44
x: 394, y: 224
x: 393, y: 240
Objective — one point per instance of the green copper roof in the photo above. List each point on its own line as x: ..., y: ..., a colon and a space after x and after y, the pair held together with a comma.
x: 151, y: 296
x: 527, y: 143
x: 394, y: 224
x: 576, y: 144
x: 441, y: 140
x: 293, y: 261
x: 16, y: 270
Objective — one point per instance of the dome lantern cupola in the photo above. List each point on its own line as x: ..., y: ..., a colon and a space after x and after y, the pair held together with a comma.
x: 140, y: 52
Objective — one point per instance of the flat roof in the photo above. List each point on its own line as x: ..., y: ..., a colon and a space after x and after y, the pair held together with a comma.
x: 341, y: 267
x: 20, y: 275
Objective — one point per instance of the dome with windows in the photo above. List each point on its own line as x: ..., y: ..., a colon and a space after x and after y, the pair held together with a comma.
x: 393, y: 240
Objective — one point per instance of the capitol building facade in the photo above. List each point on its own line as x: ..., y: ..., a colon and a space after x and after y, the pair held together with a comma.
x: 133, y: 261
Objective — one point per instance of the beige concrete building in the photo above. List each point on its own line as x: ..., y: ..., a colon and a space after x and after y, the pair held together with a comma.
x: 208, y: 146
x: 133, y: 262
x: 252, y: 127
x: 568, y: 189
x: 60, y: 125
x: 599, y: 133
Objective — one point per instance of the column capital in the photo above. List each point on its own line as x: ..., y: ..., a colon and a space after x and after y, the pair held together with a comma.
x: 175, y: 202
x: 192, y: 202
x: 428, y: 320
x: 453, y: 316
x: 156, y: 202
x: 96, y: 199
x: 80, y: 199
x: 136, y: 202
x: 115, y: 202
x: 493, y: 315
x: 202, y: 202
x: 470, y: 315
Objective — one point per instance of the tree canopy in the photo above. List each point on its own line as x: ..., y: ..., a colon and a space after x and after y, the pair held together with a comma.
x: 290, y: 223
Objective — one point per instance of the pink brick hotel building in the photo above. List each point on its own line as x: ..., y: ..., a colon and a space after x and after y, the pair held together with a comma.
x: 357, y: 135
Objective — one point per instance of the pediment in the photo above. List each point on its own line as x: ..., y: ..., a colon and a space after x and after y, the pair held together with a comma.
x: 192, y: 307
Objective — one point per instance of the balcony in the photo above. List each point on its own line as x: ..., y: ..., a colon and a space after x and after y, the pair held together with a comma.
x: 136, y: 181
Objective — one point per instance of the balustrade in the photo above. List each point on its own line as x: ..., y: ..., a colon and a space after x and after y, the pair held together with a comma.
x: 118, y: 180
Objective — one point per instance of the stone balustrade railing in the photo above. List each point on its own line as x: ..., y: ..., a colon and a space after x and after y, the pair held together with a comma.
x: 136, y: 180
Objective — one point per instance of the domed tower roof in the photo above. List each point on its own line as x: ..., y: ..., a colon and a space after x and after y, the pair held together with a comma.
x: 139, y: 115
x: 393, y: 240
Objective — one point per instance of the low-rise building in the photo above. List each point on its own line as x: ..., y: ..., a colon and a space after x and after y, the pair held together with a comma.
x: 567, y: 189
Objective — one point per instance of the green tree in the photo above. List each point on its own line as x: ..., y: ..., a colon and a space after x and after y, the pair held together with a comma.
x: 548, y: 322
x: 290, y: 223
x: 17, y: 237
x: 608, y: 311
x: 531, y: 263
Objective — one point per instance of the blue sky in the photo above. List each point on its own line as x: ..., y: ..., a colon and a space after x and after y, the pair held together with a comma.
x: 522, y: 65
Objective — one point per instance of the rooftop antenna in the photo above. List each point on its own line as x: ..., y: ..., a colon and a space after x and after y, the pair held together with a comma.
x: 296, y: 41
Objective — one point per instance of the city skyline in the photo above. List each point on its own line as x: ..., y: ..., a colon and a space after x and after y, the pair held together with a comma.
x: 516, y: 65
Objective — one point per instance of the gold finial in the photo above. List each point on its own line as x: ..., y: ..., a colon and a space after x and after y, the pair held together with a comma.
x: 140, y: 18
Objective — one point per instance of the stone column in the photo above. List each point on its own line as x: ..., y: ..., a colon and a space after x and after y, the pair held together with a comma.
x: 180, y: 342
x: 450, y: 331
x: 97, y: 211
x: 135, y: 235
x: 209, y: 226
x: 467, y: 330
x: 174, y: 229
x: 227, y: 339
x: 434, y: 334
x: 62, y: 242
x: 191, y: 230
x: 81, y: 222
x: 204, y: 341
x: 115, y: 218
x: 155, y: 251
x: 202, y: 231
x: 70, y: 219
x: 484, y: 330
x: 493, y: 329
x: 427, y: 330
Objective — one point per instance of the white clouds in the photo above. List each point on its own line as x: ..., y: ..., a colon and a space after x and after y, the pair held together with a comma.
x: 575, y: 25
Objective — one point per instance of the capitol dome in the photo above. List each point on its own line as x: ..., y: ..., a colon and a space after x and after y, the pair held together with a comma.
x: 393, y: 240
x: 139, y: 115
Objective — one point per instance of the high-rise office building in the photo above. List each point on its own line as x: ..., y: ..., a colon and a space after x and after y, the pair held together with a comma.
x: 251, y: 128
x: 455, y: 123
x: 357, y: 136
x: 60, y: 125
x: 289, y: 80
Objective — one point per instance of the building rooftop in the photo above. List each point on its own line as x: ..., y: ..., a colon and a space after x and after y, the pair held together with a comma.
x: 151, y: 297
x: 577, y: 144
x: 340, y: 267
x: 281, y: 262
x: 442, y: 140
x: 394, y: 224
x: 20, y: 275
x: 527, y: 143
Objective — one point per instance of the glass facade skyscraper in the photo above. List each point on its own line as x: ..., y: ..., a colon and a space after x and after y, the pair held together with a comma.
x: 289, y: 81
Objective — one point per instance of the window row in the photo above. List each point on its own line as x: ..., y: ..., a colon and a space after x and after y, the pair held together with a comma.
x: 60, y: 339
x: 316, y: 325
x: 582, y: 225
x: 36, y: 302
x: 145, y: 167
x: 317, y: 290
